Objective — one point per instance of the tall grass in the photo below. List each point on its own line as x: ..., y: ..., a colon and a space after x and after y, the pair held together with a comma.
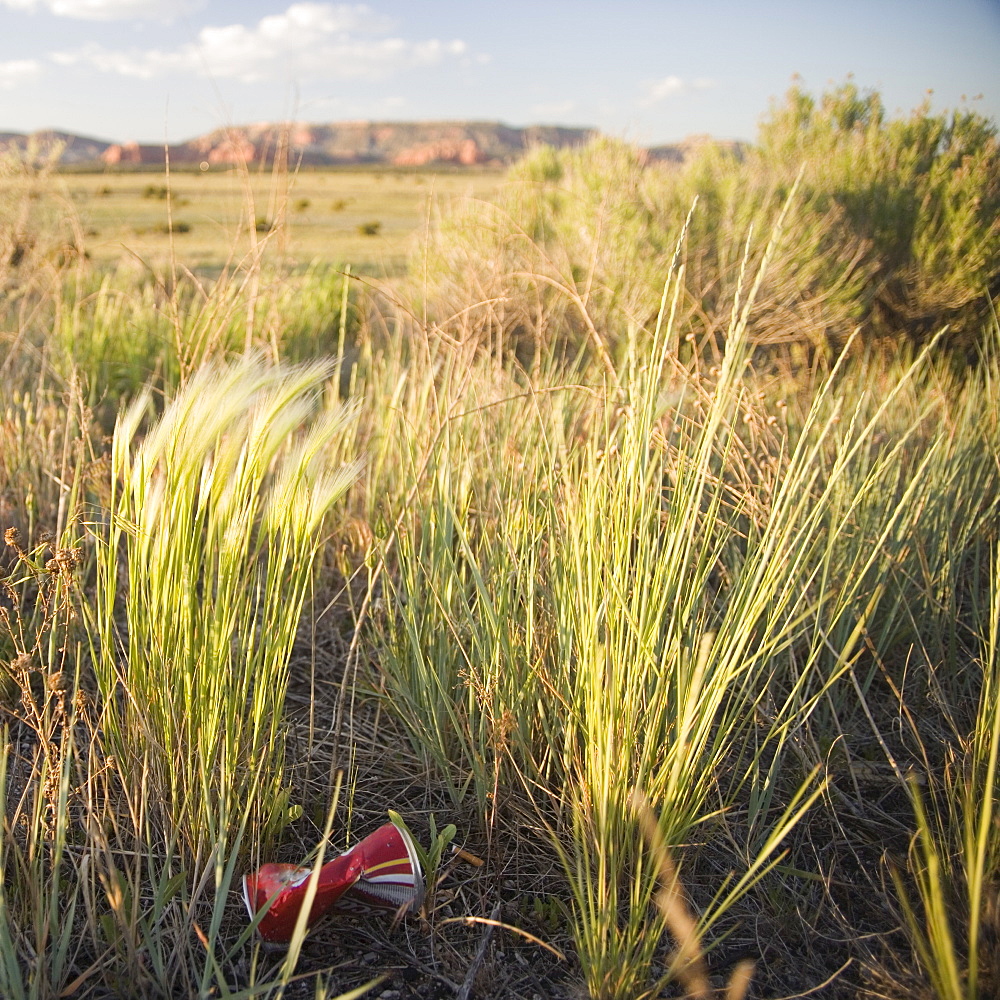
x: 39, y: 676
x: 954, y: 856
x: 215, y: 517
x: 660, y: 602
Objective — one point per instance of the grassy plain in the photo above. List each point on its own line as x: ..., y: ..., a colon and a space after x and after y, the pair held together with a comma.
x: 321, y: 213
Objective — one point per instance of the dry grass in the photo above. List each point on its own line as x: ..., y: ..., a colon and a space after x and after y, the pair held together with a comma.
x: 318, y: 214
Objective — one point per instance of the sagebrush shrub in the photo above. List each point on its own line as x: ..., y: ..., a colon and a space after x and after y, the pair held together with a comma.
x: 896, y: 228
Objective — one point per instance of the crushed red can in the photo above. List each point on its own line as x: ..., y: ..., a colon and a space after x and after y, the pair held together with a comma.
x: 382, y: 872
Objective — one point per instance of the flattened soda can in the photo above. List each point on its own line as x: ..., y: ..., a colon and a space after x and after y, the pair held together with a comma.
x: 381, y: 873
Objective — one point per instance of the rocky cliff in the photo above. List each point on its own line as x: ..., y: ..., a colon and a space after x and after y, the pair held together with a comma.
x: 405, y: 144
x: 69, y: 148
x: 363, y: 142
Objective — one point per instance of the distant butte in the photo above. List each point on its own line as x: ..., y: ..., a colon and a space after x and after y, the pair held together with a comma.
x: 403, y: 144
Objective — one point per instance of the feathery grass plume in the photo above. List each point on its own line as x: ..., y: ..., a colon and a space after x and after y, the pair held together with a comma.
x: 215, y: 525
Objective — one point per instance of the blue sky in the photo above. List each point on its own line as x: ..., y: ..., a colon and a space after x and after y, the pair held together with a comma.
x: 649, y: 70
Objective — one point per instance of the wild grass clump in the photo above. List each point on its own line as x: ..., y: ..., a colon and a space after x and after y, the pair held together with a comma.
x: 215, y: 514
x: 678, y: 597
x: 954, y: 856
x: 45, y: 721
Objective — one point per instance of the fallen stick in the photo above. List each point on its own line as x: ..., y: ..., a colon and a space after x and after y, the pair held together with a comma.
x: 470, y: 977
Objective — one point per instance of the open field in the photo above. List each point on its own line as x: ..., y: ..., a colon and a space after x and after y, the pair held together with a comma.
x: 320, y: 213
x: 643, y: 535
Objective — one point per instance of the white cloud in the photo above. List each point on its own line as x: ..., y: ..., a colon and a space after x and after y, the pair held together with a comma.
x: 18, y: 71
x: 670, y: 86
x: 662, y: 89
x: 314, y: 39
x: 105, y: 10
x: 553, y: 109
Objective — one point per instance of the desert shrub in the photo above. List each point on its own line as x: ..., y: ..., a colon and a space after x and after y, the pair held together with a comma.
x: 568, y: 246
x: 920, y: 194
x: 895, y: 227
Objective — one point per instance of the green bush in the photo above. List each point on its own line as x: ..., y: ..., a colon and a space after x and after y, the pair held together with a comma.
x: 920, y: 196
x: 895, y: 227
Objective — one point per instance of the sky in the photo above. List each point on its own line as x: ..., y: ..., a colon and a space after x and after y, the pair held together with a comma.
x: 650, y: 71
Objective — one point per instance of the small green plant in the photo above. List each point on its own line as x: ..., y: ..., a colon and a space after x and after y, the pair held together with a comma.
x: 370, y: 228
x: 549, y: 912
x: 430, y: 857
x: 301, y: 204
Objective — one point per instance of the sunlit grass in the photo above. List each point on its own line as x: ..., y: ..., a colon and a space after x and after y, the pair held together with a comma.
x: 216, y: 513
